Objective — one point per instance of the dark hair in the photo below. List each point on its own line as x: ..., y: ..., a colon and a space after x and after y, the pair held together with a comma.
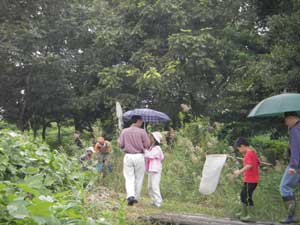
x: 135, y: 118
x: 286, y: 114
x: 240, y: 141
x: 156, y: 142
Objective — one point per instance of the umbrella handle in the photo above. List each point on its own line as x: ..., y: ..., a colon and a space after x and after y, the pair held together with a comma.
x: 261, y: 162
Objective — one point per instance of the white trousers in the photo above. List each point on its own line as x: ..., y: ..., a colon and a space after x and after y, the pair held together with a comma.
x: 134, y: 171
x: 154, y: 189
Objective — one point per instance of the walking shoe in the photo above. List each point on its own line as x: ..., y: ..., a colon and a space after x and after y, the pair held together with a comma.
x: 130, y: 200
x: 242, y: 212
x: 158, y: 205
x: 135, y: 201
x: 249, y: 215
x: 288, y: 220
x: 290, y: 204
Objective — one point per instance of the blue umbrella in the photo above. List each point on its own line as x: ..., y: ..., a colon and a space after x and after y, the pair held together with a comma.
x: 148, y: 115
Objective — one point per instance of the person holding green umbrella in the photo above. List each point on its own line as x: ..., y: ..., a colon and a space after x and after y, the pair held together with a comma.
x: 291, y: 176
x: 288, y: 105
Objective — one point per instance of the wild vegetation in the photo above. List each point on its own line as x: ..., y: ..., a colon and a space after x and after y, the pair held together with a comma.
x: 206, y: 63
x: 40, y: 185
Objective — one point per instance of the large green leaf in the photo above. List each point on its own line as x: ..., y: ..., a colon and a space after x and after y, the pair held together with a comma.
x: 32, y: 170
x: 17, y: 209
x: 26, y: 188
x: 49, y: 180
x: 40, y: 208
x: 35, y: 181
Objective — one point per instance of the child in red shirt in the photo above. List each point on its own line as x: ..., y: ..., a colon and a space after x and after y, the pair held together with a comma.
x: 251, y: 177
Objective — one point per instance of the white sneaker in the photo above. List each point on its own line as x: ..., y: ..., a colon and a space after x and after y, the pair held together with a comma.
x: 157, y: 205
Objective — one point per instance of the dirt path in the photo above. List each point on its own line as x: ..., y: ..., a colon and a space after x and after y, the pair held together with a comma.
x: 189, y: 219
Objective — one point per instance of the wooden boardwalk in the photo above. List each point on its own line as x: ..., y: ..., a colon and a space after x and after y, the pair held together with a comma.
x: 199, y: 219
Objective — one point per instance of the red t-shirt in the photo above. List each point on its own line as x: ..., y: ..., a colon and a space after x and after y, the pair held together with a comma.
x: 251, y: 175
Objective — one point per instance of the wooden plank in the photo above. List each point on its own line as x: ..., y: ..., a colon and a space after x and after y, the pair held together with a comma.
x: 199, y: 219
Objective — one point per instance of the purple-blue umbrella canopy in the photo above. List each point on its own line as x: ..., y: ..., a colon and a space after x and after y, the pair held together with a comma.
x: 148, y: 115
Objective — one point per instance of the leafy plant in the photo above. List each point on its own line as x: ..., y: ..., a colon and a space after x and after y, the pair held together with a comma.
x: 39, y: 185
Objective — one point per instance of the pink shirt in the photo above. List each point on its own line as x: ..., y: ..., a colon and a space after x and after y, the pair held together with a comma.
x: 153, y: 158
x: 134, y: 140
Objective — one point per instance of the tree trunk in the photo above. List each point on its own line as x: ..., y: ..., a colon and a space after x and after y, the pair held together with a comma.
x: 23, y: 102
x: 33, y: 126
x: 44, y: 131
x: 21, y: 116
x: 58, y: 132
x: 77, y: 124
x: 35, y: 132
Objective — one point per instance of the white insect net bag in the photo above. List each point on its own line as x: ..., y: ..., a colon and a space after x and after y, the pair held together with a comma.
x: 211, y: 173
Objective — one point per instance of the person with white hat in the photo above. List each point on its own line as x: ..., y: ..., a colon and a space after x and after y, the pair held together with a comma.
x: 88, y: 154
x: 86, y: 159
x: 153, y: 158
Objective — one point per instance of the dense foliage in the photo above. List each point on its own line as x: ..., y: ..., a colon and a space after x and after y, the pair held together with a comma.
x: 64, y: 63
x: 41, y: 186
x: 71, y: 60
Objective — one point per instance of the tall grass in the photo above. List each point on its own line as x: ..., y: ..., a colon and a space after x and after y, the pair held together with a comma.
x: 182, y: 173
x: 182, y: 167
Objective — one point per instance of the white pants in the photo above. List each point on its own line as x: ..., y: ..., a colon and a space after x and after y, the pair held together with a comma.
x: 134, y: 171
x: 153, y: 188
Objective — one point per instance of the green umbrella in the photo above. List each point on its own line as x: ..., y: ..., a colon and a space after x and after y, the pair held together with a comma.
x: 277, y: 105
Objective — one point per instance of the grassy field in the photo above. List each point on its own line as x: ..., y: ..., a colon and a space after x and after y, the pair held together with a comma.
x: 180, y: 182
x: 181, y: 175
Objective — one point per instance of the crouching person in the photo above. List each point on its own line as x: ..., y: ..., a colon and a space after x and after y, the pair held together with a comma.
x: 103, y: 150
x: 86, y: 159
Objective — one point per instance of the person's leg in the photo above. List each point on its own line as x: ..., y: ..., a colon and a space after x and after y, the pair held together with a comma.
x: 248, y: 202
x: 156, y: 189
x: 100, y: 168
x: 128, y: 171
x: 250, y: 189
x: 139, y: 172
x: 243, y: 195
x: 243, y: 198
x: 287, y: 184
x: 150, y: 190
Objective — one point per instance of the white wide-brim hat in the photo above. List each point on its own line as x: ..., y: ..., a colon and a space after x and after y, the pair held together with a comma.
x: 90, y: 149
x: 157, y: 136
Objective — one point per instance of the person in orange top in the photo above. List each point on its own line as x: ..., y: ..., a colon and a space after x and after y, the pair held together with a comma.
x: 250, y: 173
x: 103, y: 151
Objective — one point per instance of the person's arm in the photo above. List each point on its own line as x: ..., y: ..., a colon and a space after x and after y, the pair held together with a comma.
x: 109, y: 146
x: 145, y: 140
x: 249, y: 161
x: 121, y: 142
x: 155, y: 153
x: 152, y: 156
x: 295, y: 149
x: 245, y: 168
x: 96, y: 149
x: 162, y: 157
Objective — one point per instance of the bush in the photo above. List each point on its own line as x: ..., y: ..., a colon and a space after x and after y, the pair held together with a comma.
x: 39, y: 185
x: 197, y: 131
x: 272, y: 149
